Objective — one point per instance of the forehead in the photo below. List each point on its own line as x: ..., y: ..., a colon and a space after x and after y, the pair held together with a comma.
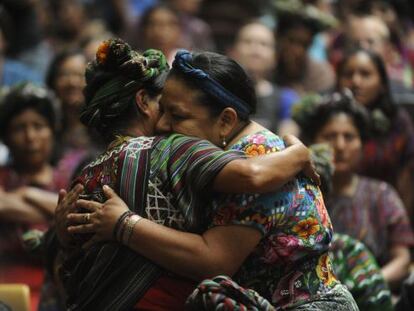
x: 340, y: 122
x: 367, y: 28
x: 28, y: 115
x: 361, y: 59
x: 256, y: 31
x: 161, y: 15
x: 177, y: 93
x: 75, y: 62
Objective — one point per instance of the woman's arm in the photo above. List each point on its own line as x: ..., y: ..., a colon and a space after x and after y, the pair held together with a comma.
x: 405, y: 185
x: 42, y: 199
x: 220, y: 250
x: 397, y: 268
x: 13, y: 208
x: 268, y: 172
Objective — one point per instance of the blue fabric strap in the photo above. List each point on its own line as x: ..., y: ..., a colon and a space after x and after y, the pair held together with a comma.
x: 182, y: 62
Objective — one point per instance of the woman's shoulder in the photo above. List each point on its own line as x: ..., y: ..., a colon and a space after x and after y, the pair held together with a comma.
x: 383, y: 195
x: 403, y: 120
x: 372, y: 186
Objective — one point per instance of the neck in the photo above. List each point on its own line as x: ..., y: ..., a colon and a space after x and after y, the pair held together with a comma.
x: 345, y: 183
x: 242, y: 129
x: 72, y: 118
x: 141, y: 127
x: 41, y: 174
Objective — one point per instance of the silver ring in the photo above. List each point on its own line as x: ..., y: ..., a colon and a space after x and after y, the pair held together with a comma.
x: 87, y: 217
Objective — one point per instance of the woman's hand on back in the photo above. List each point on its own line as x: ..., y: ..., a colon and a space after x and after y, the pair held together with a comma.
x: 100, y: 219
x: 309, y: 169
x: 66, y: 205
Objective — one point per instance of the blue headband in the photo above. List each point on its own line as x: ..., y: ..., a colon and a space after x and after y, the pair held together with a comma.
x: 182, y: 62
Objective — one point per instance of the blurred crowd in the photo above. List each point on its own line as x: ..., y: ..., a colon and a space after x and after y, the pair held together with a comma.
x: 296, y: 52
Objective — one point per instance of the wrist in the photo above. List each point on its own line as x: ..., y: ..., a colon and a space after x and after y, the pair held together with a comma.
x: 120, y: 226
x: 130, y: 223
x: 125, y: 227
x: 302, y: 153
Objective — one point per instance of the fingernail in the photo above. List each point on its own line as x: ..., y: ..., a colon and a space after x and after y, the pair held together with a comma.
x: 105, y: 187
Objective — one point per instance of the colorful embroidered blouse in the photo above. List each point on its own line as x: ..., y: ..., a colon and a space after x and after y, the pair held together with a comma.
x: 290, y: 266
x: 375, y: 215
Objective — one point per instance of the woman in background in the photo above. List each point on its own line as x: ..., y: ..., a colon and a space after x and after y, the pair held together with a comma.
x: 366, y: 209
x: 388, y: 154
x: 28, y: 184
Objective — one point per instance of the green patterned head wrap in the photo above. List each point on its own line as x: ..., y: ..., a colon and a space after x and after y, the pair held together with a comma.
x: 114, y: 78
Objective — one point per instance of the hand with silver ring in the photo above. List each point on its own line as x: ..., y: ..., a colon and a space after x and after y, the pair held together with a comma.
x: 100, y: 219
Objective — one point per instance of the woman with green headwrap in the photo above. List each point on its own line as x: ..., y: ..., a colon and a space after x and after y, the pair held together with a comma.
x: 167, y: 179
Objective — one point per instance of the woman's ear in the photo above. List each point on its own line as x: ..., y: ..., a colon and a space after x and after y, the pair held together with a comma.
x: 227, y: 121
x: 141, y: 100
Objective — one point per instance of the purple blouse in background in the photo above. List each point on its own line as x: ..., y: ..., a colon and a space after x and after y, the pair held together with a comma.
x: 375, y: 215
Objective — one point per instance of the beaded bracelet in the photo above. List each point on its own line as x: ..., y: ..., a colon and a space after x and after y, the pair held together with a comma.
x: 116, y: 233
x: 130, y: 224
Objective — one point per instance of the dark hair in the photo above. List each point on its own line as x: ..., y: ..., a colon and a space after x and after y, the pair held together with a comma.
x: 58, y: 60
x: 112, y: 81
x: 6, y: 27
x: 26, y: 96
x: 326, y: 107
x: 384, y: 101
x: 228, y: 73
x: 288, y: 22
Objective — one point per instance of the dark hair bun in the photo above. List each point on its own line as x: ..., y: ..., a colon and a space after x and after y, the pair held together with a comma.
x: 110, y: 56
x: 113, y: 79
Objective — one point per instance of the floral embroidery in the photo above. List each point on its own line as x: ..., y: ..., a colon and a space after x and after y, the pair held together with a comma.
x: 324, y: 270
x: 255, y: 150
x: 280, y: 247
x: 306, y: 227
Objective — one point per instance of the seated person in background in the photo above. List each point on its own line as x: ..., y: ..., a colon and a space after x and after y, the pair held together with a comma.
x: 295, y: 69
x: 388, y: 154
x: 366, y: 209
x: 354, y: 264
x: 255, y: 50
x: 28, y: 184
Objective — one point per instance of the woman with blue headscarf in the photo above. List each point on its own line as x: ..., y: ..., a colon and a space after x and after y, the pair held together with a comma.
x: 166, y: 179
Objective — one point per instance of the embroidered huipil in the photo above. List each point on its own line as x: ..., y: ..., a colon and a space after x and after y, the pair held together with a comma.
x: 290, y: 266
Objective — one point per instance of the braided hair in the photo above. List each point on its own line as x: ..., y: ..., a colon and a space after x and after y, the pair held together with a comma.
x: 112, y: 81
